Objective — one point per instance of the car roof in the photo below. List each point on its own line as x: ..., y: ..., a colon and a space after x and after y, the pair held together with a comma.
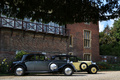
x: 34, y: 54
x: 63, y: 56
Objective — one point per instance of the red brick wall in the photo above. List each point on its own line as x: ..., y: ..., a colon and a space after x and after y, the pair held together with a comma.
x: 77, y: 30
x: 51, y: 44
x: 18, y: 40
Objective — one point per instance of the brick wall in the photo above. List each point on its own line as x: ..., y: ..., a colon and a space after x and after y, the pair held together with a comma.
x: 15, y: 40
x: 12, y: 40
x: 77, y: 30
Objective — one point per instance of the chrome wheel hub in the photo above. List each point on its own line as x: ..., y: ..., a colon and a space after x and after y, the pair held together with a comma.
x: 68, y: 71
x: 19, y: 71
x: 53, y: 66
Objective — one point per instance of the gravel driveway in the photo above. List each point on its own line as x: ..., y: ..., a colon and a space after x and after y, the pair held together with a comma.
x: 102, y: 75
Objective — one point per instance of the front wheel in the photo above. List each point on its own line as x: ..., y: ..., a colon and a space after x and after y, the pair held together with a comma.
x: 92, y: 70
x: 19, y: 71
x: 68, y: 71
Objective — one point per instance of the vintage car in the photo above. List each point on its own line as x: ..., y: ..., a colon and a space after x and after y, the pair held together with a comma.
x: 88, y: 66
x: 36, y: 63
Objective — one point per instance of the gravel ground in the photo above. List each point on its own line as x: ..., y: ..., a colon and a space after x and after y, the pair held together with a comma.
x: 102, y: 75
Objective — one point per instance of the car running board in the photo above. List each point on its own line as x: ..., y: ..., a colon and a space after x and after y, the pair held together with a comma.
x: 37, y: 71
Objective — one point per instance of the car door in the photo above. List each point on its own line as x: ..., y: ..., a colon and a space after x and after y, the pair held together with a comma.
x: 30, y: 62
x: 41, y: 64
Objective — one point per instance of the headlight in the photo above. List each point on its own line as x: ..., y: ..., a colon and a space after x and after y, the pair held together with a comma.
x: 93, y: 62
x: 53, y: 66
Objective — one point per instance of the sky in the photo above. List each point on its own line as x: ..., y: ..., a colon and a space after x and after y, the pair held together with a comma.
x: 103, y: 24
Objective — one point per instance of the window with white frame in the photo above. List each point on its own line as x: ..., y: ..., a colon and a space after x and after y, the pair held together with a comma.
x: 87, y: 56
x: 87, y: 39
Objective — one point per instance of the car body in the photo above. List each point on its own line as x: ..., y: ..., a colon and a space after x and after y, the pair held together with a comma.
x: 36, y: 63
x: 88, y: 66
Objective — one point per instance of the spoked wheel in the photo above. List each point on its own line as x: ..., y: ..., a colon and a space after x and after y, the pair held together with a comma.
x: 68, y: 71
x: 19, y: 71
x: 83, y: 66
x: 92, y: 70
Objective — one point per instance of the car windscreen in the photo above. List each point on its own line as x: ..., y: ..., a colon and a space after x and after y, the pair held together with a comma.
x: 30, y: 58
x: 72, y: 58
x: 59, y: 58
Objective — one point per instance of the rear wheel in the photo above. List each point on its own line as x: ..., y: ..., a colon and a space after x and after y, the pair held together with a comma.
x: 92, y: 70
x: 19, y: 71
x: 68, y: 71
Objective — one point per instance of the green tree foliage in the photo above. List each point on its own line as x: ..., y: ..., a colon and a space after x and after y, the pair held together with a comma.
x: 61, y: 11
x: 110, y: 44
x: 106, y: 39
x: 115, y: 31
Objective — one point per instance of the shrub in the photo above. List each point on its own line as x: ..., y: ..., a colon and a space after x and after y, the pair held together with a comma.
x: 20, y: 54
x: 4, y: 66
x: 108, y: 66
x: 103, y: 65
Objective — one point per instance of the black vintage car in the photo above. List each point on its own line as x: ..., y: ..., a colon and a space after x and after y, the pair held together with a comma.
x: 36, y: 63
x: 88, y: 66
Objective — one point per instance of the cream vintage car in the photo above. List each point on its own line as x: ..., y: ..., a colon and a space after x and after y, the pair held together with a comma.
x: 88, y: 66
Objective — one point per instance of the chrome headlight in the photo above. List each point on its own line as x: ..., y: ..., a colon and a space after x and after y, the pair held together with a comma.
x: 53, y: 66
x: 93, y: 62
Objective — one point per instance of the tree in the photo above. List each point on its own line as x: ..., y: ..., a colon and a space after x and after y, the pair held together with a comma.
x: 106, y: 37
x: 110, y: 43
x: 61, y: 11
x: 116, y: 30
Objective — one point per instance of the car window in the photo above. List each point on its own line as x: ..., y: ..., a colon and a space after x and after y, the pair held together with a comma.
x: 57, y: 58
x: 42, y: 57
x: 39, y: 57
x: 30, y: 58
x: 63, y: 58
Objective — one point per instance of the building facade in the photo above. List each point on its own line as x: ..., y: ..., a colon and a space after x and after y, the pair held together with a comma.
x: 80, y: 39
x: 84, y: 41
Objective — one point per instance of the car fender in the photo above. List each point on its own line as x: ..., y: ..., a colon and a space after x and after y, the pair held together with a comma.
x: 93, y: 65
x: 67, y: 64
x: 19, y: 64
